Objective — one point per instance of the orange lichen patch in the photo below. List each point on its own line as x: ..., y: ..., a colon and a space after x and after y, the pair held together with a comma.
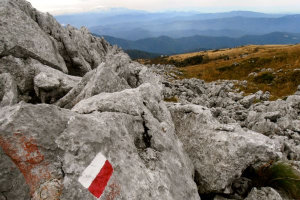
x: 25, y: 154
x: 115, y: 191
x: 50, y: 190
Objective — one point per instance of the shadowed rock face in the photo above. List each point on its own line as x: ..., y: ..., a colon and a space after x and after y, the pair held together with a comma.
x: 41, y: 37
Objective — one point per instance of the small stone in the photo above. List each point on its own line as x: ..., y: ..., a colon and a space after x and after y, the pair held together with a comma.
x: 265, y: 193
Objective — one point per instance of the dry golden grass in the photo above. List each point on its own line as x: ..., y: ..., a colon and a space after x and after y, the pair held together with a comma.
x: 172, y: 99
x: 238, y: 63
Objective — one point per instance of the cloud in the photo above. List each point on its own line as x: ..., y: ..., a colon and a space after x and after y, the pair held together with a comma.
x: 66, y: 6
x: 71, y: 6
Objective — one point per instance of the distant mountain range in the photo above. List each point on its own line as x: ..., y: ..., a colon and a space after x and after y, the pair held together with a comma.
x: 148, y: 34
x: 123, y: 15
x: 135, y: 25
x: 137, y: 54
x: 168, y: 45
x: 231, y: 27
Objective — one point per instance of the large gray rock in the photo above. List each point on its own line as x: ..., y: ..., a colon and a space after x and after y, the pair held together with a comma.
x: 128, y: 101
x: 26, y: 32
x: 115, y: 75
x: 52, y: 85
x: 265, y: 193
x: 291, y: 146
x: 44, y: 148
x: 80, y: 50
x: 24, y: 72
x: 294, y: 101
x: 219, y: 152
x: 248, y: 100
x: 11, y: 180
x: 277, y: 117
x: 147, y: 157
x: 22, y: 37
x: 8, y: 90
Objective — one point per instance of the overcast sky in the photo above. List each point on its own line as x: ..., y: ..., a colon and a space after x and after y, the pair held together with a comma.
x: 71, y: 6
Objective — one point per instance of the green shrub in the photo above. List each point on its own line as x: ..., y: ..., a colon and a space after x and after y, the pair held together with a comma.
x: 281, y: 176
x: 226, y: 68
x: 266, y: 78
x: 195, y: 60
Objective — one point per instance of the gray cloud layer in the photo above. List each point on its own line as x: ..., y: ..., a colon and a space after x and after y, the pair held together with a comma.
x: 71, y: 6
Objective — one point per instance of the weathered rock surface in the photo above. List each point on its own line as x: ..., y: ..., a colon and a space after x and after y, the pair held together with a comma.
x: 115, y: 75
x: 228, y: 106
x: 151, y: 157
x: 11, y: 180
x: 22, y: 37
x: 24, y: 72
x: 265, y: 193
x: 219, y: 152
x: 44, y: 148
x: 8, y: 90
x: 26, y: 32
x: 128, y: 101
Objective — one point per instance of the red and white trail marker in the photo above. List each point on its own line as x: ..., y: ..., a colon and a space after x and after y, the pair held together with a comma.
x: 96, y: 176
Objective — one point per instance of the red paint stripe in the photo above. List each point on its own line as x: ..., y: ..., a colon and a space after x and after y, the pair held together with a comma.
x: 99, y: 183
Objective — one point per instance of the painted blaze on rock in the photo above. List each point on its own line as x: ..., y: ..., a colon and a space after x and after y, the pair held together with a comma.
x: 96, y: 176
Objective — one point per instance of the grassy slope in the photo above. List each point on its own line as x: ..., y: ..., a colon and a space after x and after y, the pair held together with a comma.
x: 238, y: 63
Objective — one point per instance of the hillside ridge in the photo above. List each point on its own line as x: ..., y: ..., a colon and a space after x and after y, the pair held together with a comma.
x: 168, y: 46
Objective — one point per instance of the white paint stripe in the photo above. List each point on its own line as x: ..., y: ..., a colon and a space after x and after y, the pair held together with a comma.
x: 90, y: 173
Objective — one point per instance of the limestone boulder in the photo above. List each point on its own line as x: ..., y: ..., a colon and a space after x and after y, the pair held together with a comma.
x: 26, y: 32
x: 9, y: 171
x: 31, y: 85
x: 51, y: 147
x: 220, y: 152
x: 116, y: 74
x: 248, y: 100
x: 265, y: 193
x: 8, y: 90
x: 22, y: 37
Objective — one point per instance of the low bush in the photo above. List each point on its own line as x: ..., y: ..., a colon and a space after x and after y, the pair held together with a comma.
x: 280, y: 176
x: 266, y: 78
x: 195, y: 60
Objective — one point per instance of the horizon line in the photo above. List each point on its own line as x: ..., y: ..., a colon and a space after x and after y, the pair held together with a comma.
x: 98, y: 10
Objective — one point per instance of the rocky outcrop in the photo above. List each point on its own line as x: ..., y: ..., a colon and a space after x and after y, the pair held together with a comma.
x: 263, y: 194
x: 8, y: 90
x: 31, y: 84
x: 117, y: 110
x: 16, y: 187
x: 115, y: 75
x: 39, y: 36
x: 220, y: 153
x: 24, y: 38
x: 55, y: 148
